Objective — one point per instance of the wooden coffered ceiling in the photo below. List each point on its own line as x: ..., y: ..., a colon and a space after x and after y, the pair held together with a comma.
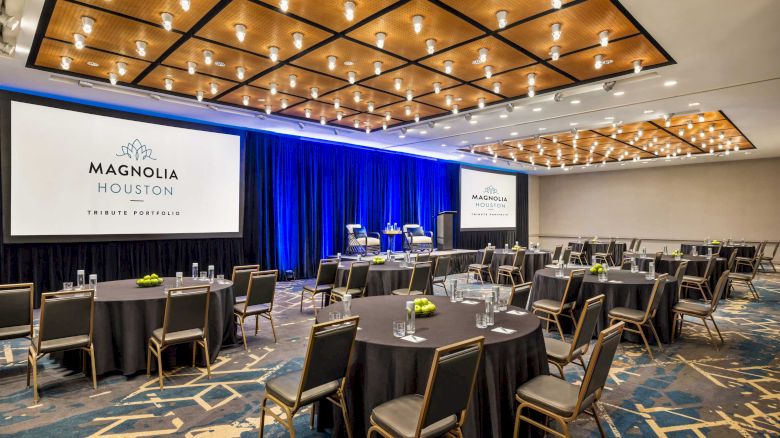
x: 675, y: 136
x: 458, y: 29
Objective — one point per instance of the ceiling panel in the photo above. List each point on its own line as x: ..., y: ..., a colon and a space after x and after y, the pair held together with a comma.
x: 184, y: 83
x: 466, y: 63
x: 151, y: 10
x: 515, y: 82
x: 484, y: 11
x: 465, y: 96
x: 318, y: 109
x: 420, y: 80
x: 225, y: 60
x: 349, y: 57
x: 259, y: 98
x: 619, y: 57
x: 331, y: 13
x: 304, y: 81
x: 88, y: 61
x: 406, y: 110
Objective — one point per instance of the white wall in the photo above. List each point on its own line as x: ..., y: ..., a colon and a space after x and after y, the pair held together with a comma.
x: 662, y: 205
x: 533, y: 208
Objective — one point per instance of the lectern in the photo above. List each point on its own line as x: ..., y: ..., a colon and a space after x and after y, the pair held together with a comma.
x: 444, y: 229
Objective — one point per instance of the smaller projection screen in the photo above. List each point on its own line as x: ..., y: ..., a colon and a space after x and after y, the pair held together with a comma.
x: 79, y: 176
x: 488, y: 200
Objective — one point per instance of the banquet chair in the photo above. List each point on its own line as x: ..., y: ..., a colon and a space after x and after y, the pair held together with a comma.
x: 16, y: 311
x: 769, y: 258
x: 442, y: 408
x: 323, y: 376
x: 479, y: 268
x: 416, y: 239
x: 563, y: 401
x: 645, y: 317
x: 323, y: 284
x: 700, y: 309
x: 577, y: 256
x: 630, y: 246
x: 423, y: 257
x: 606, y: 257
x: 240, y: 280
x: 561, y: 257
x: 701, y: 283
x: 566, y: 255
x: 440, y: 271
x: 521, y: 295
x: 562, y: 353
x: 552, y: 309
x: 65, y: 323
x: 626, y: 264
x: 418, y: 284
x: 678, y: 276
x: 556, y: 255
x: 745, y: 278
x: 356, y: 282
x: 259, y: 301
x: 732, y: 260
x: 748, y: 262
x: 185, y: 321
x: 516, y: 268
x: 638, y: 245
x: 657, y: 259
x: 359, y: 241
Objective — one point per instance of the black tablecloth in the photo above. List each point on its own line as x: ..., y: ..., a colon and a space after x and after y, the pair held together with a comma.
x: 385, y: 367
x: 633, y: 291
x: 534, y: 260
x: 696, y: 266
x: 724, y: 251
x: 382, y: 279
x: 126, y: 315
x: 459, y: 261
x: 590, y: 248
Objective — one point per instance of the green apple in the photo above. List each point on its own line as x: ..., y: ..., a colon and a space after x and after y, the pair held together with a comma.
x: 139, y: 281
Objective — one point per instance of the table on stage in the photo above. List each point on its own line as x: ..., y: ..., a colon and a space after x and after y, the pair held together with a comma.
x: 391, y: 235
x: 623, y: 289
x: 385, y: 367
x: 125, y: 316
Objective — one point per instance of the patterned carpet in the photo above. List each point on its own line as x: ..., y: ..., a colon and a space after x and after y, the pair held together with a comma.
x: 691, y: 390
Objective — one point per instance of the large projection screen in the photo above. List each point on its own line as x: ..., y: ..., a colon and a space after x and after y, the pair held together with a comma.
x: 79, y: 176
x: 488, y: 200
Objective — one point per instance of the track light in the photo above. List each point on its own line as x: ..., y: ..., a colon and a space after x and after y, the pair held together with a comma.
x: 468, y: 117
x: 509, y: 107
x: 273, y: 88
x: 637, y: 65
x: 213, y: 88
x: 240, y: 73
x: 79, y: 40
x: 336, y: 103
x: 283, y: 103
x: 398, y: 83
x: 481, y: 102
x: 301, y: 126
x: 315, y: 92
x: 380, y: 39
x: 431, y: 124
x: 240, y: 32
x: 497, y: 87
x: 339, y: 115
x: 488, y: 71
x: 65, y: 62
x: 297, y: 40
x: 409, y: 94
x: 112, y: 78
x: 87, y: 24
x: 199, y: 95
x: 323, y: 120
x: 701, y: 118
x: 351, y: 77
x: 185, y: 5
x: 168, y: 84
x: 604, y: 38
x: 293, y: 81
x: 140, y: 48
x: 557, y: 97
x: 377, y: 68
x: 501, y: 17
x: 356, y: 96
x: 370, y: 106
x: 167, y: 20
x: 448, y: 67
x: 448, y: 100
x: 349, y: 10
x: 407, y: 110
x: 245, y: 100
x: 284, y: 5
x: 430, y: 45
x: 191, y: 67
x: 273, y: 53
x: 437, y: 87
x: 208, y: 57
x: 417, y: 22
x: 416, y: 118
x: 307, y: 113
x: 556, y: 30
x: 598, y: 61
x: 555, y: 52
x: 331, y: 62
x: 387, y: 116
x: 483, y: 54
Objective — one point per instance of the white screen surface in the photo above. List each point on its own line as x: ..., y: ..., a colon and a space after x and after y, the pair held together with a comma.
x: 80, y: 174
x: 487, y: 200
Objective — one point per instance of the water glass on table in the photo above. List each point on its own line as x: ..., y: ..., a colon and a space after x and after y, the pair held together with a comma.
x: 67, y: 286
x: 179, y: 279
x: 481, y: 320
x: 399, y: 329
x: 93, y: 282
x: 333, y: 316
x: 80, y: 279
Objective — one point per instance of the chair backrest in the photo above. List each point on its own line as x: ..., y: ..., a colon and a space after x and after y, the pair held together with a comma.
x: 487, y: 256
x: 638, y: 245
x: 450, y: 382
x: 521, y: 294
x: 720, y: 289
x: 262, y: 287
x: 519, y: 260
x: 760, y: 250
x: 423, y: 258
x: 351, y: 228
x: 566, y: 255
x: 442, y: 266
x: 186, y: 308
x: 600, y: 363
x: 774, y: 252
x: 611, y: 247
x: 326, y: 272
x: 631, y: 245
x: 573, y: 286
x: 625, y: 264
x: 16, y: 305
x: 710, y: 265
x: 657, y: 259
x: 655, y: 296
x: 557, y: 253
x: 589, y: 319
x: 66, y: 314
x: 421, y: 277
x: 240, y: 278
x: 681, y: 268
x: 408, y: 226
x: 732, y: 259
x: 328, y: 353
x: 358, y: 275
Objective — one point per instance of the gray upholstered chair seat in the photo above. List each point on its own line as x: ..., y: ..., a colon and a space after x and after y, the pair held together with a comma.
x: 251, y: 310
x: 740, y: 276
x: 17, y: 331
x: 341, y: 291
x: 627, y: 313
x: 508, y: 268
x: 179, y: 336
x: 285, y: 388
x: 421, y: 239
x: 61, y: 344
x: 557, y: 395
x: 240, y: 299
x: 372, y: 241
x: 406, y: 291
x: 313, y: 288
x: 399, y: 417
x: 478, y: 266
x: 692, y: 307
x: 551, y: 305
x: 693, y: 279
x: 559, y: 350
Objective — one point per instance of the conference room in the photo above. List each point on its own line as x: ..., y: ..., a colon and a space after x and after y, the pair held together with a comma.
x: 389, y: 218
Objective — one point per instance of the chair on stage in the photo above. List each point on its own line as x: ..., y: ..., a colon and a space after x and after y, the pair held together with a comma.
x: 440, y: 271
x: 356, y: 282
x: 479, y: 268
x: 65, y: 324
x: 416, y: 239
x: 418, y: 284
x: 259, y: 301
x: 359, y: 241
x: 185, y: 321
x: 516, y: 268
x: 325, y: 282
x: 16, y: 311
x: 240, y: 280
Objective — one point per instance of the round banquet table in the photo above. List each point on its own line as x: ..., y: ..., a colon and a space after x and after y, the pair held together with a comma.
x: 534, y: 260
x: 382, y: 279
x: 385, y: 367
x: 696, y: 267
x: 590, y: 247
x: 743, y: 250
x: 125, y: 316
x: 623, y: 289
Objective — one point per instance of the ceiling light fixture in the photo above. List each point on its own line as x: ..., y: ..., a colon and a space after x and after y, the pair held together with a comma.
x: 417, y: 120
x: 121, y: 68
x: 191, y: 67
x: 377, y: 68
x: 604, y: 38
x: 598, y: 61
x: 185, y: 5
x: 213, y: 88
x: 79, y: 40
x: 240, y: 73
x: 315, y: 92
x: 349, y: 10
x: 351, y: 77
x: 387, y: 116
x: 284, y: 5
x: 87, y: 24
x: 380, y: 39
x: 356, y: 96
x: 637, y: 65
x: 689, y: 124
x: 454, y: 109
x: 273, y: 53
x: 240, y: 32
x: 297, y: 40
x: 448, y: 67
x: 356, y: 123
x: 555, y: 52
x: 339, y: 115
x: 497, y: 87
x: 273, y: 88
x: 531, y: 91
x: 336, y: 103
x: 556, y: 31
x: 501, y: 17
x: 430, y: 45
x: 483, y: 54
x: 531, y: 79
x: 167, y: 20
x: 284, y: 103
x: 417, y: 22
x: 199, y: 95
x: 701, y: 118
x: 112, y: 78
x: 245, y: 100
x: 488, y: 71
x: 407, y: 110
x: 307, y: 113
x: 437, y: 87
x: 409, y: 94
x: 168, y: 84
x: 509, y: 108
x: 481, y: 102
x: 208, y: 57
x: 332, y: 62
x: 448, y: 100
x: 670, y: 83
x: 370, y: 106
x: 293, y: 81
x: 556, y: 4
x: 398, y: 83
x: 65, y: 62
x: 323, y: 120
x: 384, y: 126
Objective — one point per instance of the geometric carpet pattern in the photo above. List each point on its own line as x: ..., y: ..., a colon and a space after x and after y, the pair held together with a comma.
x: 690, y: 390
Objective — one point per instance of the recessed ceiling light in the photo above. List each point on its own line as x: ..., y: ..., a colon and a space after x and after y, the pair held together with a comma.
x: 473, y: 122
x: 694, y: 104
x: 349, y: 63
x: 542, y: 129
x: 488, y: 138
x: 423, y: 132
x: 444, y: 145
x: 93, y: 64
x: 574, y: 123
x: 447, y: 127
x: 670, y: 83
x: 619, y: 93
x: 503, y: 116
x: 575, y: 102
x: 537, y: 109
x: 513, y: 134
x: 648, y: 111
x: 609, y: 118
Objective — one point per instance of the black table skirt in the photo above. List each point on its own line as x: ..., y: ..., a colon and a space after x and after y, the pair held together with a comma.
x: 384, y: 369
x: 724, y: 250
x: 633, y: 293
x: 460, y: 262
x: 123, y: 326
x: 533, y: 262
x: 696, y: 267
x: 382, y: 279
x: 591, y: 248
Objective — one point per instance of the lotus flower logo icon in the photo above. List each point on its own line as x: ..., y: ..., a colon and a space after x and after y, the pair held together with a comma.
x: 490, y: 190
x: 136, y: 151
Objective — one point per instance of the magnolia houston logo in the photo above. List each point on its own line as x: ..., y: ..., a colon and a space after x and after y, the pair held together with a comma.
x: 490, y: 198
x: 138, y: 177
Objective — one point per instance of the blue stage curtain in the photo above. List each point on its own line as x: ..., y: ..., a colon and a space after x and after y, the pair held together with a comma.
x: 308, y: 191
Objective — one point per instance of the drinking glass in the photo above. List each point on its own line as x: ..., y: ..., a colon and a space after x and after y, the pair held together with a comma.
x: 651, y: 271
x: 80, y: 279
x: 481, y: 320
x: 338, y: 257
x: 453, y: 288
x: 410, y: 317
x: 194, y: 271
x: 360, y: 257
x: 211, y: 273
x: 458, y: 295
x: 93, y: 282
x: 203, y: 275
x: 503, y: 301
x: 179, y: 279
x: 347, y: 302
x: 506, y: 247
x: 490, y: 310
x: 334, y: 315
x: 399, y: 329
x: 68, y: 285
x: 592, y: 260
